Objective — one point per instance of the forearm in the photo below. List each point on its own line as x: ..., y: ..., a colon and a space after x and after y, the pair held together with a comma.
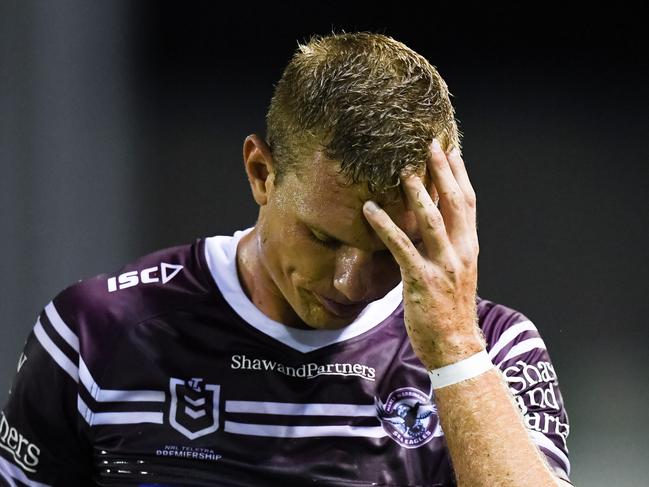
x: 488, y: 442
x: 487, y: 439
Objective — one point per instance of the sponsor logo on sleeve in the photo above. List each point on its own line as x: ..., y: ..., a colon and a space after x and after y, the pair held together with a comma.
x: 162, y: 273
x: 535, y: 387
x: 24, y: 452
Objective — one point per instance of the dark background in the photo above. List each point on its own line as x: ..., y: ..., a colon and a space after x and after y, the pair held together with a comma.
x: 121, y: 131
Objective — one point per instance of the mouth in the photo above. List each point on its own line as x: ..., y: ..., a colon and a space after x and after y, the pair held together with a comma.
x: 341, y: 310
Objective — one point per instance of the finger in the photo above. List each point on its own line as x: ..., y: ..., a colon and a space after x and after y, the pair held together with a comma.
x: 429, y: 219
x: 461, y: 176
x: 397, y: 242
x: 452, y: 204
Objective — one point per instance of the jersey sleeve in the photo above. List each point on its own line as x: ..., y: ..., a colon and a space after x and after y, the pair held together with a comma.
x: 518, y: 350
x: 42, y: 442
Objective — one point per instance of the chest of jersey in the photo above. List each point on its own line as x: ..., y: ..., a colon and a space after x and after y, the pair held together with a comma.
x: 204, y: 399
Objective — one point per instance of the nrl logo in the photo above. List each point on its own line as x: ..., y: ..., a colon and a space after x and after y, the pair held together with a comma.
x: 194, y: 410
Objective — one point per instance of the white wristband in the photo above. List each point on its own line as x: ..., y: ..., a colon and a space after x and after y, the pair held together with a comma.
x: 464, y: 369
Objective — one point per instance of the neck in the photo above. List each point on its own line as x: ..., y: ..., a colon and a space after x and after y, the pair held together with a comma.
x: 258, y: 285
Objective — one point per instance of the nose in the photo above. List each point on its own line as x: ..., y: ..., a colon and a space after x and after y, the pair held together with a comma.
x: 353, y: 273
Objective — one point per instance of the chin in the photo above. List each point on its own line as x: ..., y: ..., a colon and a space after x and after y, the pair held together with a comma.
x: 329, y: 321
x: 331, y: 325
x: 320, y: 319
x: 317, y: 317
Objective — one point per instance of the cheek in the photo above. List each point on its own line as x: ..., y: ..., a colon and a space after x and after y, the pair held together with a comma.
x: 298, y: 259
x: 311, y: 262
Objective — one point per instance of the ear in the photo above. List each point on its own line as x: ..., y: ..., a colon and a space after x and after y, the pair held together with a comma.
x: 258, y: 162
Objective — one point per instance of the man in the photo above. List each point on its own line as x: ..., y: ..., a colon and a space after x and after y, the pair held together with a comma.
x: 339, y: 341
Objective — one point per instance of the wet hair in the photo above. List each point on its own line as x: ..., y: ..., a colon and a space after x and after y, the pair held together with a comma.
x: 365, y: 100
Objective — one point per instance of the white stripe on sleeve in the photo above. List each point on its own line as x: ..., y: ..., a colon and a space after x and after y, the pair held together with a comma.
x: 55, y: 352
x: 523, y: 347
x: 541, y: 440
x: 60, y: 326
x: 8, y: 468
x: 509, y: 335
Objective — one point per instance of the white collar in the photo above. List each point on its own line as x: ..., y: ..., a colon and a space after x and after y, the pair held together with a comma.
x: 220, y: 254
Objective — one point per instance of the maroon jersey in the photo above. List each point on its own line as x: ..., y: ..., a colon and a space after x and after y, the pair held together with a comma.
x: 165, y: 373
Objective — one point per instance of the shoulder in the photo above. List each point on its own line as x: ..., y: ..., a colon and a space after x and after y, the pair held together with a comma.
x: 93, y: 314
x: 508, y: 332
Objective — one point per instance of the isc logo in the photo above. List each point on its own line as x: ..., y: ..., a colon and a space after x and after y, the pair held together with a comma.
x: 129, y: 279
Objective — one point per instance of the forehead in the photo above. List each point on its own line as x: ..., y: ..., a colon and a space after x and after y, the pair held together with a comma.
x: 326, y: 200
x: 321, y: 181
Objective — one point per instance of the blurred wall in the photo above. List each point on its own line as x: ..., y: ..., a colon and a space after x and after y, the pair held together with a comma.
x: 68, y: 201
x: 121, y: 127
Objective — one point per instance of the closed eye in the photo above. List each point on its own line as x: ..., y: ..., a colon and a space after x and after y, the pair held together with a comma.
x: 323, y: 241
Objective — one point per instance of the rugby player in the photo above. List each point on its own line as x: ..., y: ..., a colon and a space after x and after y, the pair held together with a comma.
x: 339, y: 341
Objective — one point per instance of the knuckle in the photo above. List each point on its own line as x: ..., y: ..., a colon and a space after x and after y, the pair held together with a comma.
x: 467, y: 258
x: 400, y: 240
x: 407, y: 182
x: 439, y: 162
x: 454, y: 198
x: 433, y: 221
x: 411, y: 181
x: 469, y: 254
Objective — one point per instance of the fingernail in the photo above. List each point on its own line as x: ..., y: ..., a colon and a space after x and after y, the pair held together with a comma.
x: 455, y: 152
x: 436, y: 146
x: 371, y: 207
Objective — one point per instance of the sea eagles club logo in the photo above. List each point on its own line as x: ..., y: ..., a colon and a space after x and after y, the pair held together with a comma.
x: 194, y: 407
x: 409, y: 417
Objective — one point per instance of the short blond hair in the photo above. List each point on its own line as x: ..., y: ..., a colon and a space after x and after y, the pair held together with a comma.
x: 364, y: 99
